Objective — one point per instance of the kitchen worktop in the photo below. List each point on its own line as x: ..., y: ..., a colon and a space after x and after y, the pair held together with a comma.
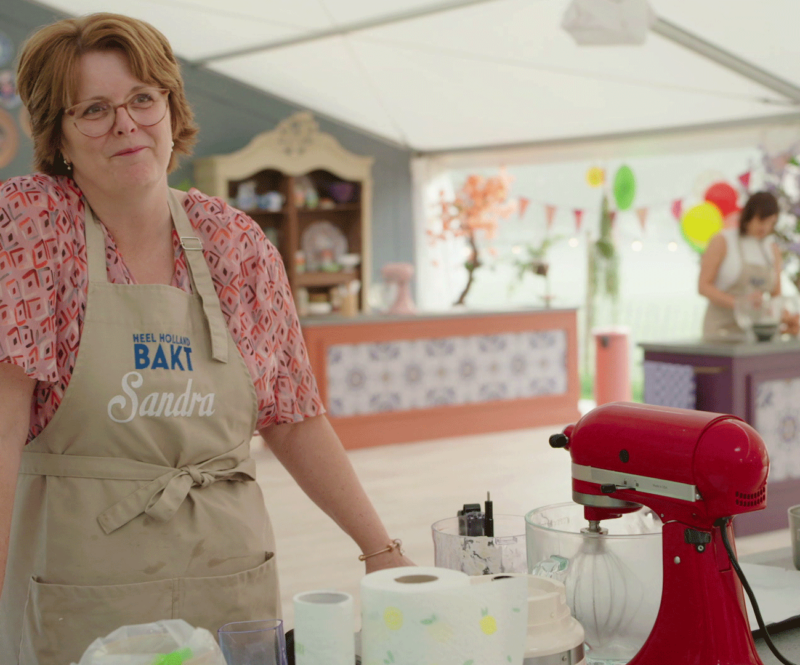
x: 785, y: 635
x: 732, y: 349
x: 454, y: 313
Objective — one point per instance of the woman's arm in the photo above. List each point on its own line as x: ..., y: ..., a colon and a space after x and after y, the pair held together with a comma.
x: 313, y: 455
x: 777, y: 263
x: 709, y: 269
x: 16, y: 392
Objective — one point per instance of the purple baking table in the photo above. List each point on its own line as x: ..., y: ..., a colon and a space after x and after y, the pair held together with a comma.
x: 759, y: 382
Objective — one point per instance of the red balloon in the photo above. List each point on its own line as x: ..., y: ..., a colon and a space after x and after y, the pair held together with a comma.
x: 722, y: 195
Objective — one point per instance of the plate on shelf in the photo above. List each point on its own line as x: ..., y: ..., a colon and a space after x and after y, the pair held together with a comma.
x: 323, y: 243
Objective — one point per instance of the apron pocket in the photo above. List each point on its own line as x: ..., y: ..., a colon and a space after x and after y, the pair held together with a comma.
x: 62, y: 620
x: 211, y: 602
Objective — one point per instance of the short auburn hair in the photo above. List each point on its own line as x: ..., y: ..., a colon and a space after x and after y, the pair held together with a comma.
x: 47, y: 78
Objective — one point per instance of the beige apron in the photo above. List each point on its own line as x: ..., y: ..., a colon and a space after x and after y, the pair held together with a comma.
x: 137, y: 502
x: 719, y: 322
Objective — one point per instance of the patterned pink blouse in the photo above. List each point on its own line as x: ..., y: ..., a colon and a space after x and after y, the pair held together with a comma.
x: 44, y: 284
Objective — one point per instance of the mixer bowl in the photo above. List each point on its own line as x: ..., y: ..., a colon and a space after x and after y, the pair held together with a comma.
x: 613, y: 581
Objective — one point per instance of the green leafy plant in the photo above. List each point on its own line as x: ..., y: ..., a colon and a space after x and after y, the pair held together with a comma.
x: 534, y: 261
x: 602, y: 277
x: 603, y: 264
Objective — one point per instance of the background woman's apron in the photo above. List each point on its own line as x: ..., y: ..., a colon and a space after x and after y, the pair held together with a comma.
x: 137, y: 502
x: 720, y: 322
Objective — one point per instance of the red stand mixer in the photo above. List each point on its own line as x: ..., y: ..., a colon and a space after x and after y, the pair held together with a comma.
x: 696, y: 470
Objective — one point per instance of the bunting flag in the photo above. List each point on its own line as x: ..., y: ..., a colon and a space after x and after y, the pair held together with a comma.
x: 745, y: 180
x: 677, y: 209
x: 523, y: 206
x: 641, y: 213
x: 578, y: 219
x: 550, y: 215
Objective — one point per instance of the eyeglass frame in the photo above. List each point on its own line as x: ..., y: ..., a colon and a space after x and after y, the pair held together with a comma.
x: 115, y: 107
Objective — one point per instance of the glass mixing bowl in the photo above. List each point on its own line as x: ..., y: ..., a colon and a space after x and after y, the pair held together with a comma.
x: 613, y: 580
x: 481, y: 555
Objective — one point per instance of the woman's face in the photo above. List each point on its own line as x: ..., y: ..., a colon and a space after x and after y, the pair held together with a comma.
x: 761, y: 227
x: 129, y: 156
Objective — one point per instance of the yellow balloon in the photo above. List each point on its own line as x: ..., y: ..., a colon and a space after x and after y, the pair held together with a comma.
x: 700, y: 223
x: 595, y: 176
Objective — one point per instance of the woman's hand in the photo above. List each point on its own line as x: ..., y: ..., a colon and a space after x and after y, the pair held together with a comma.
x: 790, y: 323
x: 393, y: 559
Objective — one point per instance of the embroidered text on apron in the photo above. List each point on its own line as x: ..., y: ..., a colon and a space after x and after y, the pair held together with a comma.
x: 138, y: 502
x: 719, y: 322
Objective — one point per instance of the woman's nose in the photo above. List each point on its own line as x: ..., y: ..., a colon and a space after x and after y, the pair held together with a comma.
x: 123, y: 123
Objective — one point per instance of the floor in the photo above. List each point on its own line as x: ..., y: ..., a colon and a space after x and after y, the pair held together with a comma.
x: 413, y: 486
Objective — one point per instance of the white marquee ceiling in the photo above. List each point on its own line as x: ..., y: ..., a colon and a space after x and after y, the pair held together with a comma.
x: 483, y: 72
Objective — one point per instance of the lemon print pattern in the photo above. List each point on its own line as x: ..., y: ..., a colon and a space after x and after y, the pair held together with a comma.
x: 393, y: 618
x: 439, y: 631
x: 488, y: 623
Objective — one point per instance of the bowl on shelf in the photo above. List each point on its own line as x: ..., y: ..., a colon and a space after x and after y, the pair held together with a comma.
x: 342, y: 192
x: 320, y: 308
x: 349, y: 261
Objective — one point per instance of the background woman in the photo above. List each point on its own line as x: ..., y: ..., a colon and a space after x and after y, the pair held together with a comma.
x: 145, y: 333
x: 742, y: 262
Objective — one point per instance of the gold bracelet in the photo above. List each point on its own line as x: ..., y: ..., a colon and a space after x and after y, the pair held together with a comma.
x: 396, y: 544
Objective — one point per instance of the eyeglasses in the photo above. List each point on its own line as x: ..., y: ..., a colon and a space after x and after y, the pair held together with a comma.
x: 96, y: 117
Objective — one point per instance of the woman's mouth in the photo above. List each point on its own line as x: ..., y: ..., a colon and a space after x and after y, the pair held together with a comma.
x: 128, y: 151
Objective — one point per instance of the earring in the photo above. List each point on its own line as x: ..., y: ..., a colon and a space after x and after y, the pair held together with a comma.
x: 67, y: 164
x: 173, y: 144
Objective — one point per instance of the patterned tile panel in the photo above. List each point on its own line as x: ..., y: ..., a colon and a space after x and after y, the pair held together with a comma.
x: 777, y: 420
x: 426, y: 373
x: 669, y: 384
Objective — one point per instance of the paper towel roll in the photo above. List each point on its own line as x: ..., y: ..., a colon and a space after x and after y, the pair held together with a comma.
x: 417, y: 616
x: 323, y: 628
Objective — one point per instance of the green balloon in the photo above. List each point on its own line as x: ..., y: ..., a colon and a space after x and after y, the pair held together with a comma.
x: 624, y: 188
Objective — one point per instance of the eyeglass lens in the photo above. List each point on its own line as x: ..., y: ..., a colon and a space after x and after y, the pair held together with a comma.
x: 95, y: 118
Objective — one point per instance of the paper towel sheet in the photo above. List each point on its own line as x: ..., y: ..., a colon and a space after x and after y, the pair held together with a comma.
x: 777, y: 593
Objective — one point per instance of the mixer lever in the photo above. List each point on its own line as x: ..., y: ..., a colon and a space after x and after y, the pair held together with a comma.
x: 697, y: 538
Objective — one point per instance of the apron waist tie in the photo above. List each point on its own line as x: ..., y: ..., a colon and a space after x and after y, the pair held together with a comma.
x: 161, y: 497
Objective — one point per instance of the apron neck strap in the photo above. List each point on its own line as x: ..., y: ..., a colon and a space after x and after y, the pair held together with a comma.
x: 198, y: 270
x: 201, y: 279
x: 95, y: 247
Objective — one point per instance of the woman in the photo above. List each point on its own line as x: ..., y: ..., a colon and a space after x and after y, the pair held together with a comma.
x: 743, y: 262
x: 145, y: 333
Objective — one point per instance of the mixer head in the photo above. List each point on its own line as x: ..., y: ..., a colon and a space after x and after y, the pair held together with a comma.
x: 689, y: 465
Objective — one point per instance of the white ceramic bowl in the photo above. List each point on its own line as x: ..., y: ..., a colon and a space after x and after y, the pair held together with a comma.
x: 349, y: 261
x: 319, y: 308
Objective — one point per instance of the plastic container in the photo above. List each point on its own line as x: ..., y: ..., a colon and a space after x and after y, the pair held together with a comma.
x: 613, y: 581
x: 553, y: 634
x: 253, y: 642
x: 481, y: 555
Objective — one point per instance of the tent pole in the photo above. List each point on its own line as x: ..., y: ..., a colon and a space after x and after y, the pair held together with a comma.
x: 684, y: 38
x: 344, y: 29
